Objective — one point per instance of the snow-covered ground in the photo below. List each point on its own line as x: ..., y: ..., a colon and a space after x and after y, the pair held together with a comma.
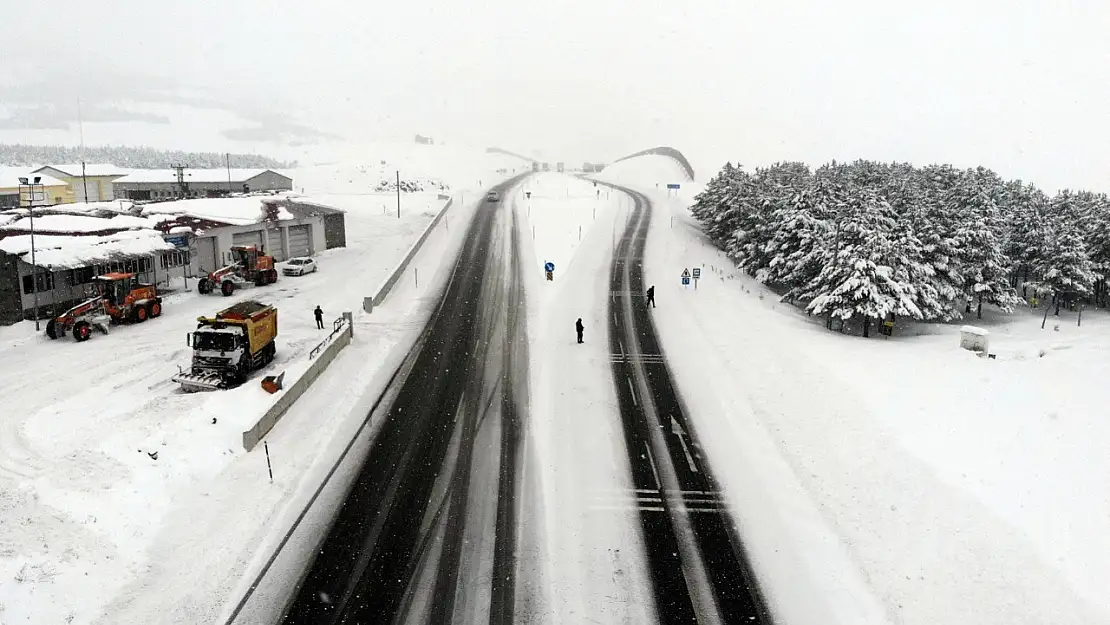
x: 582, y: 545
x: 112, y: 482
x: 898, y: 480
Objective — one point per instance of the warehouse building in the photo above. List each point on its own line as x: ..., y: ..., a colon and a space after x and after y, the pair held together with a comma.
x: 94, y: 183
x: 53, y: 190
x: 283, y: 227
x: 69, y: 252
x: 164, y: 184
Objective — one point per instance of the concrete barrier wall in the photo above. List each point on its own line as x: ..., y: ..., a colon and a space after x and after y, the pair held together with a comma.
x: 387, y: 285
x: 253, y: 436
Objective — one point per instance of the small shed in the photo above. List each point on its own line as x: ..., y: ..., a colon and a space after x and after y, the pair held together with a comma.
x: 973, y: 339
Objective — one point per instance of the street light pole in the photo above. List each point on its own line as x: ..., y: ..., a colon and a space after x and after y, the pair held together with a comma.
x: 31, y: 213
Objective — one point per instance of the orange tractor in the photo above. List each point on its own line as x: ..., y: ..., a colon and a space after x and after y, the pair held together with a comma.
x: 251, y: 267
x: 119, y: 298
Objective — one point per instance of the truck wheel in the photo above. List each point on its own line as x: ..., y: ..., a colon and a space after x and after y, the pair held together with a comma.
x: 204, y: 287
x: 82, y: 331
x: 154, y: 310
x: 227, y: 288
x: 273, y: 276
x: 52, y: 329
x: 139, y: 314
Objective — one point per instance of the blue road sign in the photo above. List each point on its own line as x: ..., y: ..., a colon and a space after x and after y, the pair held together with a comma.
x: 178, y: 241
x: 673, y: 186
x: 685, y: 281
x: 549, y: 266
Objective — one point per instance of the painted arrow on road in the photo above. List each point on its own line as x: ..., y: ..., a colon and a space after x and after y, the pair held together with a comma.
x: 677, y: 430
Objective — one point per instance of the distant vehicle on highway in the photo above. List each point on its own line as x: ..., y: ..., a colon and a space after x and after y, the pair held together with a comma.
x: 493, y: 196
x: 299, y: 267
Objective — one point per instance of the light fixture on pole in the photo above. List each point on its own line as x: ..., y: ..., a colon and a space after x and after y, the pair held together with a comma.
x: 31, y: 196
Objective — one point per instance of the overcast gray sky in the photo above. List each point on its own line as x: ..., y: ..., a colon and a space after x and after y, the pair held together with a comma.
x: 1020, y: 86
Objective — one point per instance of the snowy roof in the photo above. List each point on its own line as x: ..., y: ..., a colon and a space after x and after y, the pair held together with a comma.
x: 232, y: 210
x: 974, y: 330
x: 64, y: 252
x: 9, y: 177
x: 79, y: 223
x: 91, y: 169
x: 114, y: 206
x: 191, y: 175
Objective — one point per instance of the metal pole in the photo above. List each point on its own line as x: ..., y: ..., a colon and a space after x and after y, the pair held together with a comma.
x: 34, y: 264
x: 227, y: 156
x: 398, y: 194
x: 85, y: 183
x: 269, y: 468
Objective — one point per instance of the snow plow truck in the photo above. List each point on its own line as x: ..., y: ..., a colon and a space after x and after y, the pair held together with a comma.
x: 251, y: 267
x: 119, y: 298
x: 227, y: 348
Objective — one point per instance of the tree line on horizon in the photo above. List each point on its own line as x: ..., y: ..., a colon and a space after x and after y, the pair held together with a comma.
x: 867, y: 242
x: 131, y: 157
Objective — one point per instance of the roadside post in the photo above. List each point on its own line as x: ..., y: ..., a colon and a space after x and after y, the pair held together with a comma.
x: 697, y: 275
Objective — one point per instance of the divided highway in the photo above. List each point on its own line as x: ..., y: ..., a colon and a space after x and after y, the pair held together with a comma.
x: 697, y: 564
x: 423, y: 537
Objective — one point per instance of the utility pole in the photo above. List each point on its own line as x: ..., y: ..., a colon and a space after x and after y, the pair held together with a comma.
x: 228, y: 161
x: 183, y: 189
x: 81, y: 134
x: 398, y: 194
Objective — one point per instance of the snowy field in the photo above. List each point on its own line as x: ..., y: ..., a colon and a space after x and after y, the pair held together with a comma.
x: 112, y: 481
x: 898, y: 480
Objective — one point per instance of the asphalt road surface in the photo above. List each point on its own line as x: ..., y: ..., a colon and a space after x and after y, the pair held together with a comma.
x: 423, y: 537
x: 697, y: 564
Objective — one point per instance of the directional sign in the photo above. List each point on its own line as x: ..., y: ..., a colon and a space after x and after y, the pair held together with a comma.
x: 549, y: 266
x: 673, y: 186
x: 697, y: 272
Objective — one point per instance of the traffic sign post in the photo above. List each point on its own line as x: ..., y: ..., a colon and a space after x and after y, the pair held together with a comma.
x: 549, y: 269
x: 672, y: 187
x: 685, y: 277
x: 697, y: 274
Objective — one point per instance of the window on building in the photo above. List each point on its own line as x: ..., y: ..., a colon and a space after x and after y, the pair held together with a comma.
x: 83, y: 275
x: 44, y: 280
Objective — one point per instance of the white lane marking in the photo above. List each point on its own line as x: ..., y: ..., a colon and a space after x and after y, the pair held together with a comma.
x: 677, y: 430
x: 633, y: 391
x: 651, y: 459
x: 621, y: 343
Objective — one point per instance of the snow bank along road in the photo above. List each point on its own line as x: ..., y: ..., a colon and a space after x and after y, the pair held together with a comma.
x: 698, y: 567
x: 422, y: 537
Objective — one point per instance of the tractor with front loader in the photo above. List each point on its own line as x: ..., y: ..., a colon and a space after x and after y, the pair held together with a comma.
x: 119, y: 298
x: 250, y: 267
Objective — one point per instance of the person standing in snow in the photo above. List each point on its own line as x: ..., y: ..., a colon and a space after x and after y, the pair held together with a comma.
x: 578, y: 327
x: 651, y: 295
x: 319, y: 317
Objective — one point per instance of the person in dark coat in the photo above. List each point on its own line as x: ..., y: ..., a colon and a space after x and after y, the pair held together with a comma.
x: 319, y: 317
x: 651, y: 295
x: 578, y: 327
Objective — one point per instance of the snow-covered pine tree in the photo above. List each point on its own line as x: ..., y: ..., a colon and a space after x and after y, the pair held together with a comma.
x: 1022, y: 208
x: 710, y: 205
x: 1096, y: 220
x: 798, y: 247
x: 859, y: 282
x: 982, y: 264
x: 1064, y: 269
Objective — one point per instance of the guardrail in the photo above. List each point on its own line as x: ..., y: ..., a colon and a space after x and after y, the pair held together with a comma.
x: 321, y: 356
x: 387, y: 285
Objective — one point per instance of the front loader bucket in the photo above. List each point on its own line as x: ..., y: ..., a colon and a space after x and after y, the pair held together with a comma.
x: 191, y: 382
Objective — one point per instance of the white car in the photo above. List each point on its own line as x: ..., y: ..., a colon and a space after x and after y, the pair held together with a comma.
x: 299, y: 267
x: 493, y: 196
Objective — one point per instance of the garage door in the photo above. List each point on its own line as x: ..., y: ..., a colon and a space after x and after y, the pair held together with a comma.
x: 300, y: 240
x: 207, y: 260
x: 273, y: 244
x: 247, y: 238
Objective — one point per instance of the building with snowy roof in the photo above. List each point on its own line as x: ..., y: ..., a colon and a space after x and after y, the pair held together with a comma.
x: 93, y: 183
x: 282, y: 226
x: 56, y: 191
x: 161, y: 184
x: 70, y: 250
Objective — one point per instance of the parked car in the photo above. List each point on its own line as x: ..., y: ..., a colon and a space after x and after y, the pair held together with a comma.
x: 493, y: 196
x: 299, y: 267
